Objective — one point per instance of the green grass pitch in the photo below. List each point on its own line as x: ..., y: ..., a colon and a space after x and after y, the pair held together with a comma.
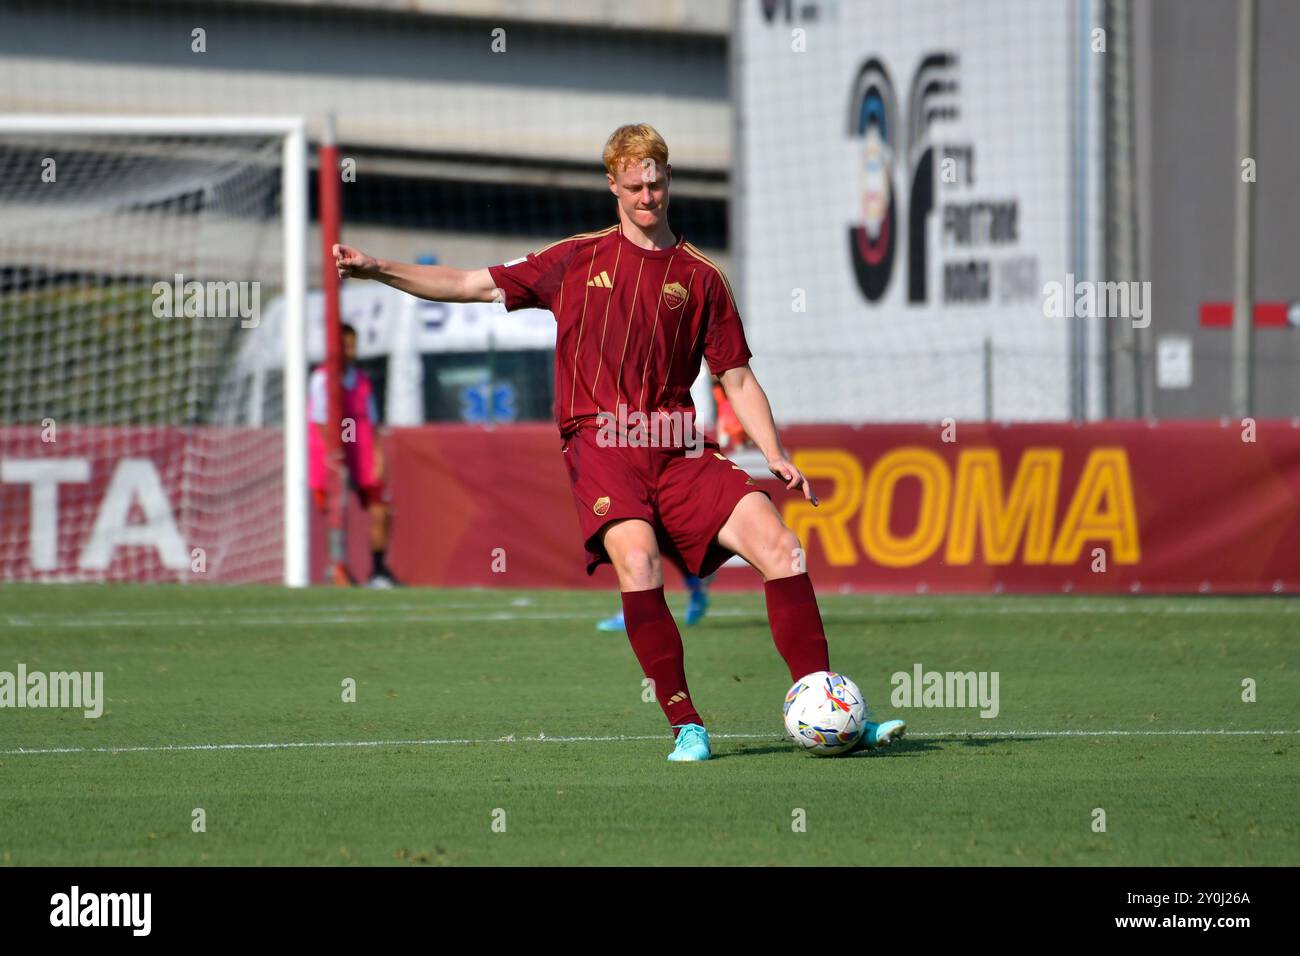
x: 455, y: 750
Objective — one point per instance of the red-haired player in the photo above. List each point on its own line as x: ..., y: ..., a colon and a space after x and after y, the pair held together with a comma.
x: 636, y: 308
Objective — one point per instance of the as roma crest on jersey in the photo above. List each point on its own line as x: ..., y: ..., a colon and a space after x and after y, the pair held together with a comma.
x: 674, y: 294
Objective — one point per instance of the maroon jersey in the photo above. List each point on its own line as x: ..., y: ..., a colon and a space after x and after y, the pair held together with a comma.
x: 631, y: 323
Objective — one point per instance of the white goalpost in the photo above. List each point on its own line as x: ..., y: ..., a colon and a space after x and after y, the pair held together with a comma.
x: 140, y: 258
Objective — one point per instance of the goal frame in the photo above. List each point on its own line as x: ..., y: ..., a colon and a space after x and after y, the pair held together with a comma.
x: 292, y: 132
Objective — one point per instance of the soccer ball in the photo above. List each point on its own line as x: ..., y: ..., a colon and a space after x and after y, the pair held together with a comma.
x: 825, y: 713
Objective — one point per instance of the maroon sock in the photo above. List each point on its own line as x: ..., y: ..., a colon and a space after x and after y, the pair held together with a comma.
x: 797, y: 624
x: 658, y: 646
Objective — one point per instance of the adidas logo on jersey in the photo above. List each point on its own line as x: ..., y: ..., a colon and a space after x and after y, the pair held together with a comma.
x: 601, y: 281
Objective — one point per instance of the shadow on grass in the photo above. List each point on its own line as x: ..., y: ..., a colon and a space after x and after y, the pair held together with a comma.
x: 907, y: 747
x: 971, y: 741
x: 903, y: 748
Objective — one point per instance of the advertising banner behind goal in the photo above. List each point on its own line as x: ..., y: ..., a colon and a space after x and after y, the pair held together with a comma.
x: 905, y: 190
x: 1023, y: 508
x: 137, y: 503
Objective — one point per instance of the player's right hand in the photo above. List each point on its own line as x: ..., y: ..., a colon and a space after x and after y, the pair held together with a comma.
x: 784, y: 469
x: 354, y: 264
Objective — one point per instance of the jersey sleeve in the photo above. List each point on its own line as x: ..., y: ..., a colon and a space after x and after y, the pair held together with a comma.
x: 724, y: 337
x: 533, y: 281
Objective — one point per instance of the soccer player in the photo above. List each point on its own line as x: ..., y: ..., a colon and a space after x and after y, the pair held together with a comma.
x: 636, y: 308
x: 362, y: 453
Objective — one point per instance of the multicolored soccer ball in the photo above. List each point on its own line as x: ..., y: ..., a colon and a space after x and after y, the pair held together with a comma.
x: 825, y: 713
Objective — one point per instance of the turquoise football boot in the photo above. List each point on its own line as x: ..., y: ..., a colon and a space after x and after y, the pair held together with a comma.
x: 614, y: 623
x: 698, y: 605
x: 882, y: 735
x: 692, y: 744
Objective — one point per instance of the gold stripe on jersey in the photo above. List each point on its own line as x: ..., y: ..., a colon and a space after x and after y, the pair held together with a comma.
x: 581, y: 235
x: 697, y: 339
x: 559, y: 309
x: 600, y: 358
x: 714, y: 266
x: 581, y: 322
x: 645, y: 366
x: 636, y: 302
x: 672, y: 351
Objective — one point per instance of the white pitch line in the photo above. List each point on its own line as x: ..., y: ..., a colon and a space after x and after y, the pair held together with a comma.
x: 304, y: 621
x: 433, y: 616
x: 342, y: 619
x: 935, y: 734
x: 1102, y: 733
x: 596, y: 601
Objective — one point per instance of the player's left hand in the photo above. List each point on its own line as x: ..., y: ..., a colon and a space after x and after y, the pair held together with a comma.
x: 793, y: 477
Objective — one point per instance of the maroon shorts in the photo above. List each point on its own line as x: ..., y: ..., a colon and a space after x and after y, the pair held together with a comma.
x: 686, y: 497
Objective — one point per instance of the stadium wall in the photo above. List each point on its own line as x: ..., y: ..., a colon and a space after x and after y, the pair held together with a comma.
x: 1188, y: 169
x: 395, y: 78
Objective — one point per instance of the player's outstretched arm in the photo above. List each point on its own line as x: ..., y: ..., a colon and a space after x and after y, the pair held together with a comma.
x: 439, y: 283
x: 749, y: 401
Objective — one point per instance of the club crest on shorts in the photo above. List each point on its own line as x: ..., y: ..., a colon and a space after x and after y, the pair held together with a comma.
x: 674, y: 294
x: 602, y: 505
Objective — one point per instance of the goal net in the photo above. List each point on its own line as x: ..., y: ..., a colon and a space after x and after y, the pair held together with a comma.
x: 136, y: 258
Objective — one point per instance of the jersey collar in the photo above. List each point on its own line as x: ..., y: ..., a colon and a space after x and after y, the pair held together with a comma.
x: 632, y: 247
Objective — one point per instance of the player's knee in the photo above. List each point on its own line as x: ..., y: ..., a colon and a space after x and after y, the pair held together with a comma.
x: 789, y: 549
x: 782, y: 553
x: 638, y: 566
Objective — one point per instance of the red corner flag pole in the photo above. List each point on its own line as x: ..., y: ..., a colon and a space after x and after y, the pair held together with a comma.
x: 336, y: 475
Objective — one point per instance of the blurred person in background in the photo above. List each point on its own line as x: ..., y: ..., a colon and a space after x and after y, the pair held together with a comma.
x: 363, y: 454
